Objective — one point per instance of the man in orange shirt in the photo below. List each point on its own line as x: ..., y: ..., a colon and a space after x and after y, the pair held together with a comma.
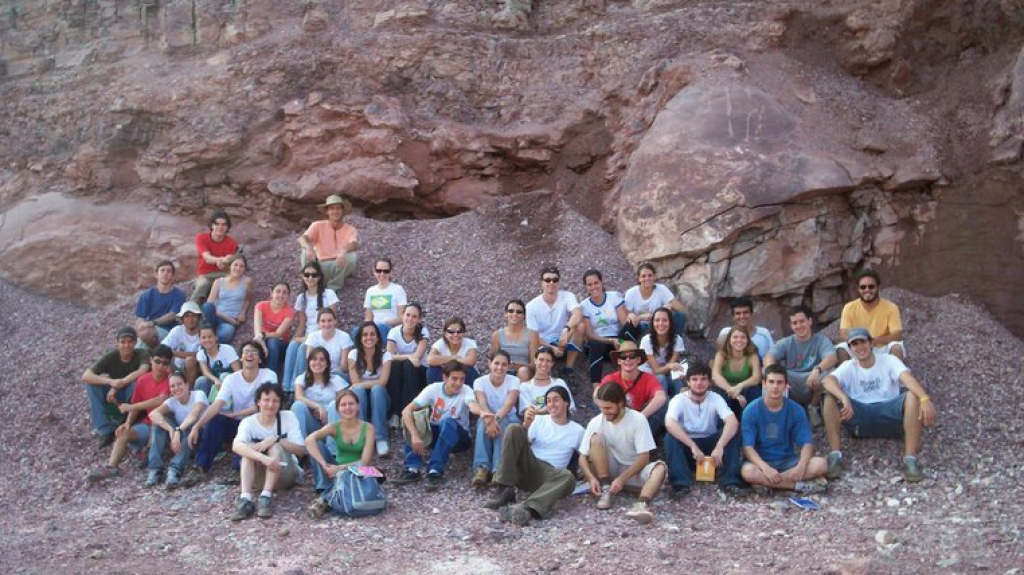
x: 332, y: 242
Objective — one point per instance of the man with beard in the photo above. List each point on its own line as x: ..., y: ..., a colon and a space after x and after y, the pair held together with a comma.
x: 874, y: 313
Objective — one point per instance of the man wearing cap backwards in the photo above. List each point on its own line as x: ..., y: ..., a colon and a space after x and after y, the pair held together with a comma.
x: 216, y: 250
x: 643, y: 392
x: 332, y: 242
x: 109, y: 381
x: 864, y: 395
x: 873, y: 312
x: 184, y: 341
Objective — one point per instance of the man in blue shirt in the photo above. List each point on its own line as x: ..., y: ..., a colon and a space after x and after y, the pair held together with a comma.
x: 161, y: 303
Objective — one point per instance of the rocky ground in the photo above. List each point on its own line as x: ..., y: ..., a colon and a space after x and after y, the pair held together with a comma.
x: 965, y: 517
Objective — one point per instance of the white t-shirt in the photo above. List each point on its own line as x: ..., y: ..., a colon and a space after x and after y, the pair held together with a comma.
x: 442, y: 347
x: 625, y: 440
x: 699, y: 420
x: 875, y: 385
x: 310, y: 309
x: 226, y: 355
x: 322, y: 394
x: 603, y: 318
x: 353, y: 354
x: 552, y: 442
x: 179, y: 411
x: 179, y: 340
x: 648, y: 346
x: 443, y: 405
x: 496, y: 396
x: 659, y: 298
x: 532, y: 393
x: 336, y: 346
x: 549, y: 320
x: 384, y: 302
x: 250, y: 431
x: 403, y: 347
x: 762, y: 339
x: 238, y: 394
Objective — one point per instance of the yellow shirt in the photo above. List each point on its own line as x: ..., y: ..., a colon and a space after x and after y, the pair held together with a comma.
x: 884, y: 319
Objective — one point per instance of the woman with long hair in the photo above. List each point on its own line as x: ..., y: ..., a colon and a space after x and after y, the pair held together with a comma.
x: 315, y: 391
x: 643, y: 299
x: 407, y: 344
x: 519, y: 341
x: 215, y: 360
x: 332, y: 339
x: 369, y: 367
x: 736, y: 371
x: 228, y: 303
x: 272, y: 324
x: 314, y: 297
x: 351, y: 437
x: 453, y: 346
x: 663, y: 347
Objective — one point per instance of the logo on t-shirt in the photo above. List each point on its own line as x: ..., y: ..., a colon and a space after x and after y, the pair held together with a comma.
x: 439, y: 410
x: 379, y: 302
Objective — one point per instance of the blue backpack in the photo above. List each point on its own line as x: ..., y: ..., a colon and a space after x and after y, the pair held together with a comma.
x: 355, y: 495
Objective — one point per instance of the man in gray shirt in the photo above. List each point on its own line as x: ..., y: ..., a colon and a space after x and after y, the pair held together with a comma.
x: 807, y: 357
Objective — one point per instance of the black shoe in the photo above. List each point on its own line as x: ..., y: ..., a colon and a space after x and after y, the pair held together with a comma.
x: 736, y: 490
x: 679, y: 493
x: 407, y: 476
x: 505, y: 495
x: 434, y: 481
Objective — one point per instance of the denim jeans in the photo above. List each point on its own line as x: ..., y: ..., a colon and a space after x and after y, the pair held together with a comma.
x: 294, y: 365
x: 374, y: 402
x: 102, y: 413
x: 308, y: 423
x: 681, y: 463
x: 225, y: 331
x: 487, y: 451
x: 449, y: 437
x: 162, y: 439
x: 218, y: 430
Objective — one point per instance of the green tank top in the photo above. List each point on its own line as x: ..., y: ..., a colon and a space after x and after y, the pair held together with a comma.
x: 735, y: 377
x: 349, y: 453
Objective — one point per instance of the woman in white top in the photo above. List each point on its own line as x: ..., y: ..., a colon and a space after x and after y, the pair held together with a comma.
x: 369, y: 368
x: 453, y: 346
x: 314, y: 297
x: 497, y: 392
x: 643, y: 299
x: 215, y: 360
x: 532, y: 392
x: 331, y: 338
x: 384, y: 302
x: 517, y: 340
x: 315, y: 392
x: 663, y: 348
x: 407, y: 344
x: 226, y: 307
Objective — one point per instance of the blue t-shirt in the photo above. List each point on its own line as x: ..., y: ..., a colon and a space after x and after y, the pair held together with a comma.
x: 153, y: 304
x: 776, y: 436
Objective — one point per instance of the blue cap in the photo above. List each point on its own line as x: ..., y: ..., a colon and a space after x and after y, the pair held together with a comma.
x: 858, y: 333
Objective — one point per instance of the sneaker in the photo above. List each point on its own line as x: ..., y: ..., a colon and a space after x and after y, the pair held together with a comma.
x: 503, y: 496
x: 640, y: 513
x: 395, y: 422
x: 516, y: 515
x: 679, y: 493
x: 234, y: 477
x: 605, y: 501
x: 263, y: 510
x: 911, y: 470
x: 319, y: 508
x: 736, y: 490
x: 835, y: 465
x: 152, y: 478
x: 434, y: 481
x: 102, y: 473
x: 173, y: 479
x: 407, y: 476
x: 194, y: 476
x: 481, y: 477
x: 813, y: 487
x: 383, y: 449
x: 243, y: 509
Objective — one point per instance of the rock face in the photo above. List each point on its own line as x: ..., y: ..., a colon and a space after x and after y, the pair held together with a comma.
x: 753, y: 148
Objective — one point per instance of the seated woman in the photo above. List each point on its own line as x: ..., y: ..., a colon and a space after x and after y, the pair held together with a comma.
x: 229, y: 299
x: 315, y: 391
x: 272, y: 324
x: 736, y: 371
x: 407, y: 344
x: 517, y: 340
x: 532, y: 392
x: 216, y: 360
x: 663, y: 348
x: 314, y: 297
x: 369, y: 367
x: 597, y: 322
x: 643, y: 299
x: 351, y: 437
x: 332, y: 339
x: 384, y: 302
x: 453, y: 346
x: 497, y: 392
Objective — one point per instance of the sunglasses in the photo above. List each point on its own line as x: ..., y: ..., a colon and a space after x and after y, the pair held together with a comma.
x: 160, y: 361
x: 549, y: 280
x: 867, y: 287
x: 454, y: 331
x: 629, y: 356
x: 383, y: 271
x: 515, y: 311
x: 310, y: 275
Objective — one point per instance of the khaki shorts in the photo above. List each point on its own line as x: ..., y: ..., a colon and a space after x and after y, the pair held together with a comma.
x: 636, y: 482
x: 285, y: 480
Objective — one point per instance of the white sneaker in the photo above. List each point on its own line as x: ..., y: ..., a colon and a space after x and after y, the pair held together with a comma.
x: 605, y: 502
x: 640, y: 513
x: 383, y: 449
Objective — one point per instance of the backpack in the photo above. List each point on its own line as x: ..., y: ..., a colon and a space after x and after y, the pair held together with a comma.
x: 355, y: 495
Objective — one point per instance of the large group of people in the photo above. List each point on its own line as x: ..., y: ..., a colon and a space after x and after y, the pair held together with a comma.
x: 301, y: 391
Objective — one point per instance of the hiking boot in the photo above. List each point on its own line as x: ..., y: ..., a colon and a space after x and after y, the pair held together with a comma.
x: 263, y: 510
x: 736, y: 490
x: 407, y: 476
x: 434, y: 481
x: 194, y: 476
x: 911, y: 470
x: 234, y: 477
x: 503, y: 496
x: 173, y: 479
x: 481, y: 477
x: 319, y: 508
x: 152, y: 478
x: 813, y: 487
x: 244, y: 509
x: 383, y: 449
x: 516, y: 515
x: 835, y: 465
x: 679, y: 493
x: 640, y: 513
x: 102, y: 473
x: 605, y: 501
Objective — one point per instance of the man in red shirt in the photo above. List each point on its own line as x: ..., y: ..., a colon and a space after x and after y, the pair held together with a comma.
x: 151, y: 389
x: 216, y: 250
x: 332, y: 242
x: 643, y: 392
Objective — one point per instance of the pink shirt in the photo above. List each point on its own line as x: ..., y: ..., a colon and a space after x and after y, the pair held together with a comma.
x: 327, y: 241
x: 273, y: 320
